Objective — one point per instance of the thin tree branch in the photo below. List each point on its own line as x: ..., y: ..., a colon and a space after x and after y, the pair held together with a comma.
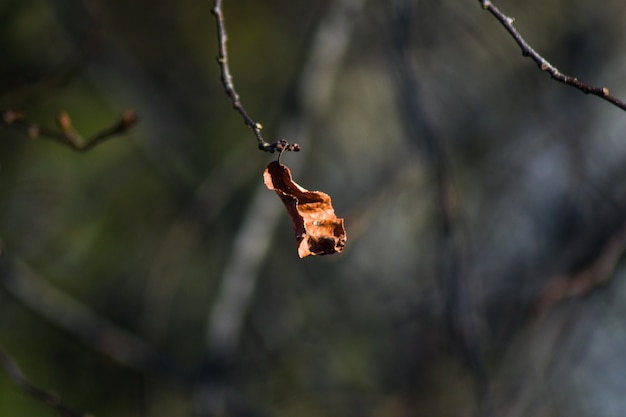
x: 65, y: 134
x: 23, y: 383
x: 229, y: 87
x: 544, y: 65
x: 599, y: 255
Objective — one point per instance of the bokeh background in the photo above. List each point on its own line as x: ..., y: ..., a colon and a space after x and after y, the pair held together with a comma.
x: 485, y: 206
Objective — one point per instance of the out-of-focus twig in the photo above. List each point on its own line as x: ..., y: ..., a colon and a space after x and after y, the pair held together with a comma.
x: 461, y: 312
x: 229, y: 87
x: 16, y: 375
x: 65, y: 134
x: 544, y: 65
x: 76, y: 318
x: 597, y: 270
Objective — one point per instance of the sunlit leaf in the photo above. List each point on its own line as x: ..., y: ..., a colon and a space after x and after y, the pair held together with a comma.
x: 317, y: 228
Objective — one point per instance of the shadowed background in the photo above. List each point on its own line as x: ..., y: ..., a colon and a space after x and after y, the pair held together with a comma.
x: 484, y: 207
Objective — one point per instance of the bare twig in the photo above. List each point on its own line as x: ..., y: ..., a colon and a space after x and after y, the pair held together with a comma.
x: 65, y: 134
x: 23, y: 383
x: 544, y: 65
x: 229, y: 87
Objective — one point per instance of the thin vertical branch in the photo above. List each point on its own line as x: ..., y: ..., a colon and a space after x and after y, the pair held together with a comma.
x: 543, y: 64
x: 229, y: 88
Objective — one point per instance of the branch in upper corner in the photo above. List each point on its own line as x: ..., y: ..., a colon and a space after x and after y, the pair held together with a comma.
x: 19, y: 379
x: 544, y: 65
x: 229, y: 88
x: 65, y: 134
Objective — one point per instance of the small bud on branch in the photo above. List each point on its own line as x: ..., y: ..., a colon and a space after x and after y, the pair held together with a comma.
x: 65, y: 134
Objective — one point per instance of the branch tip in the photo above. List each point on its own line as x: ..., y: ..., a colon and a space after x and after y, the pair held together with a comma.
x: 128, y: 121
x: 65, y: 133
x: 280, y: 146
x: 64, y: 121
x: 231, y: 93
x: 544, y: 65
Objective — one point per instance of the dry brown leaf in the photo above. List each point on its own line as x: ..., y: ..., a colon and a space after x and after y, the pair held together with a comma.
x: 318, y: 230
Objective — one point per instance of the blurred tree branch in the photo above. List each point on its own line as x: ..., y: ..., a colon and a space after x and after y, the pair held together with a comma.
x: 66, y: 134
x: 79, y: 320
x: 461, y: 311
x: 599, y: 262
x: 544, y: 65
x: 23, y: 383
x: 229, y: 87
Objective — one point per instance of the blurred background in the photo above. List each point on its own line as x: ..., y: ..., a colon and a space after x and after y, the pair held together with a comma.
x: 485, y: 208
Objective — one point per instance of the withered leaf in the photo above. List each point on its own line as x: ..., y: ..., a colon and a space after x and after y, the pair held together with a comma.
x: 318, y: 230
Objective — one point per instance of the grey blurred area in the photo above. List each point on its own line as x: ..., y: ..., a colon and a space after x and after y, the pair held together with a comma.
x: 484, y: 203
